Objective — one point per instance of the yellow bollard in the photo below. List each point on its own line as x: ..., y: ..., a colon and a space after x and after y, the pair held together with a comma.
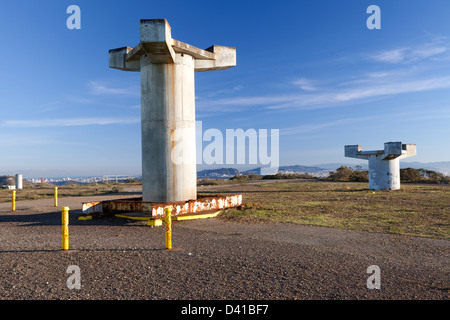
x: 65, y: 227
x: 168, y: 227
x: 56, y: 196
x: 13, y: 201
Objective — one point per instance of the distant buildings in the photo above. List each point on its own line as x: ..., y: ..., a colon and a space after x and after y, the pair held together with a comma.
x: 83, y: 180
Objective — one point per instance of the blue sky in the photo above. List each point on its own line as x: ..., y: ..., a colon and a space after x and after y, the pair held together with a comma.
x: 311, y: 69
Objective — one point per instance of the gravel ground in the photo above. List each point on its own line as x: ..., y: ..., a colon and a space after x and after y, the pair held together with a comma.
x: 211, y: 259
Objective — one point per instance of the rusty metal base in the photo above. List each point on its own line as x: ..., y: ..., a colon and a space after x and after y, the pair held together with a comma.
x: 155, y: 210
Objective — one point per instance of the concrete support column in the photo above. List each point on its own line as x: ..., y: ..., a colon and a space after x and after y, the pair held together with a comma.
x: 384, y: 174
x: 168, y: 129
x: 167, y: 66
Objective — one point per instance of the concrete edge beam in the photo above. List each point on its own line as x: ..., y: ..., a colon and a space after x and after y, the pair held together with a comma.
x: 117, y: 59
x: 408, y: 150
x: 225, y: 59
x: 354, y: 151
x: 157, y: 48
x: 197, y: 53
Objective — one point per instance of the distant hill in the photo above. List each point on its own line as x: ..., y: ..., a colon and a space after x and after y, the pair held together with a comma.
x: 222, y: 173
x: 315, y: 171
x: 442, y: 167
x: 7, y: 181
x: 334, y: 166
x: 11, y: 181
x: 227, y: 173
x: 320, y: 170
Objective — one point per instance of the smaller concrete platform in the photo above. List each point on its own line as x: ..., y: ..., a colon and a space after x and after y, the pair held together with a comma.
x: 136, y: 209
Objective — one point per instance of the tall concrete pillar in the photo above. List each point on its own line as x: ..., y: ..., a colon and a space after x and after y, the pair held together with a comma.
x: 167, y: 66
x: 384, y: 165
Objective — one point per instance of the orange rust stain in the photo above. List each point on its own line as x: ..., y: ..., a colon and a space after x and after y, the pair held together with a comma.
x: 170, y: 114
x: 172, y: 138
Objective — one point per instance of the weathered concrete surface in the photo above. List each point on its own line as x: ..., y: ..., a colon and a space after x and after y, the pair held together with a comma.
x: 19, y: 181
x: 384, y: 165
x: 384, y: 174
x: 167, y: 69
x: 168, y: 130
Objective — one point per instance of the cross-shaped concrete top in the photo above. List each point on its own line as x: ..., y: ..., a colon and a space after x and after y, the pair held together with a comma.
x: 156, y: 41
x: 392, y: 150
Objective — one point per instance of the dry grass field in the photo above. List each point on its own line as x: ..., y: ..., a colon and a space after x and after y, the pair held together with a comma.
x: 415, y: 210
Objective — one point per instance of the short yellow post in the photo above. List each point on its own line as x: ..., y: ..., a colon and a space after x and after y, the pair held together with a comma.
x: 56, y: 196
x: 65, y: 227
x: 13, y: 201
x: 168, y: 227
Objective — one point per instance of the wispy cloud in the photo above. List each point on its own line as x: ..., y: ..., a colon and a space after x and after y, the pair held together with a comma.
x: 81, y: 100
x: 42, y: 123
x: 224, y: 91
x: 334, y: 96
x: 410, y: 54
x: 98, y: 88
x: 305, y: 84
x: 367, y: 91
x: 413, y: 114
x: 391, y: 56
x: 393, y: 77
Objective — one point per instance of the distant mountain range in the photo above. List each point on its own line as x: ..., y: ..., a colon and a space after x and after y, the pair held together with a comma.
x: 321, y: 170
x: 315, y: 171
x: 222, y: 173
x: 442, y: 167
x: 226, y: 173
